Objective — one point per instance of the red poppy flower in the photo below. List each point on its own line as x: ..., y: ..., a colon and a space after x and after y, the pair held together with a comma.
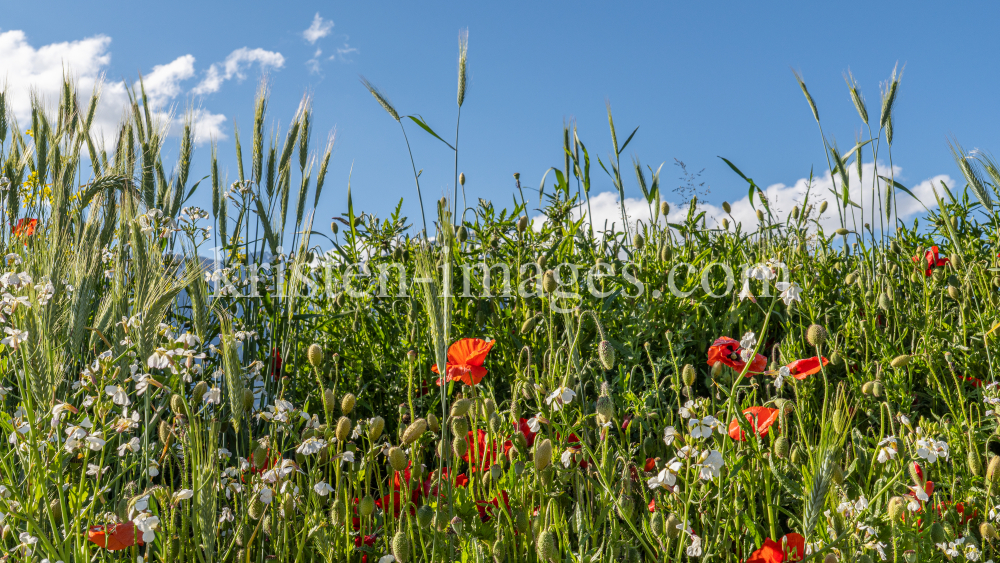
x: 114, y: 537
x: 727, y: 351
x: 761, y: 418
x: 275, y: 363
x: 650, y: 465
x: 465, y: 361
x: 25, y: 227
x: 801, y: 369
x: 791, y: 548
x: 652, y: 505
x: 974, y: 381
x: 369, y: 541
x: 932, y: 260
x: 486, y: 508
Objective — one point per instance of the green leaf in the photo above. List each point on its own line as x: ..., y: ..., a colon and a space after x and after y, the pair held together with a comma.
x: 621, y: 150
x: 419, y: 120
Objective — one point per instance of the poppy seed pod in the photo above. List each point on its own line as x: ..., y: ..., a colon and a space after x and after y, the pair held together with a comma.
x: 816, y: 335
x: 522, y: 224
x: 993, y: 469
x: 401, y: 547
x: 688, y: 375
x: 851, y: 278
x: 343, y: 428
x: 725, y: 224
x: 988, y: 532
x: 461, y: 407
x: 639, y: 241
x: 546, y: 545
x: 664, y: 208
x: 606, y: 353
x: 900, y: 361
x: 760, y: 215
x: 543, y: 454
x: 463, y: 234
x: 459, y: 426
x: 347, y: 403
x: 424, y: 516
x: 726, y: 207
x: 315, y: 355
x: 414, y: 431
x: 457, y: 525
x: 199, y: 392
x: 366, y: 506
x: 397, y: 458
x: 549, y: 281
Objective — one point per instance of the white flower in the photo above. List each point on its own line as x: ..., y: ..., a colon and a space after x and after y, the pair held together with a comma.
x: 931, y: 449
x: 226, y: 516
x: 182, y: 494
x: 534, y: 423
x: 688, y: 410
x: 702, y: 428
x: 387, y: 559
x: 130, y: 446
x: 159, y: 359
x: 14, y: 337
x: 783, y: 372
x: 117, y: 395
x: 188, y: 339
x: 95, y: 441
x: 154, y: 468
x: 266, y: 495
x: 669, y: 435
x: 347, y: 457
x: 887, y: 449
x: 694, y: 550
x: 745, y: 293
x: 567, y: 457
x: 311, y: 446
x: 667, y: 477
x: 127, y: 422
x: 790, y: 291
x: 28, y: 541
x: 760, y: 272
x: 749, y: 341
x: 213, y: 396
x: 711, y: 465
x: 146, y: 523
x: 322, y: 488
x: 560, y: 397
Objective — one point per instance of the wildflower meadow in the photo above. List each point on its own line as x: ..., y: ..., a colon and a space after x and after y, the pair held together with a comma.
x: 484, y: 383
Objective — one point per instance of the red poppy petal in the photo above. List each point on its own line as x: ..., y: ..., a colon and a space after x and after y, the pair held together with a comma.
x: 801, y: 369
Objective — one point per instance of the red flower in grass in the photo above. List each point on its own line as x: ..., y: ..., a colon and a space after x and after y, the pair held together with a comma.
x: 395, y: 498
x: 760, y: 418
x: 115, y: 537
x: 275, y: 365
x: 25, y: 227
x: 791, y: 548
x: 801, y: 369
x: 486, y: 508
x: 727, y: 351
x: 369, y: 541
x: 931, y: 260
x: 465, y: 361
x: 650, y: 465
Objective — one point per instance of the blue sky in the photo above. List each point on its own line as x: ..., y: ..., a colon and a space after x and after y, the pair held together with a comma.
x: 700, y: 79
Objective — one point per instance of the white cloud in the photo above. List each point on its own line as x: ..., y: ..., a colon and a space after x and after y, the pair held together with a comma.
x: 319, y: 29
x: 163, y: 83
x: 313, y: 63
x: 607, y: 211
x: 235, y: 66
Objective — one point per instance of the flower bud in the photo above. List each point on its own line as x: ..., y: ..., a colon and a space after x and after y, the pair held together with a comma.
x: 256, y: 509
x: 656, y: 523
x: 366, y: 506
x: 460, y: 446
x: 546, y: 546
x: 900, y: 361
x: 463, y: 234
x: 424, y: 516
x: 831, y: 558
x: 688, y: 375
x: 726, y: 207
x: 842, y: 231
x: 725, y: 224
x: 432, y: 422
x: 673, y: 527
x: 347, y: 403
x: 823, y: 206
x: 760, y: 215
x: 782, y: 447
x: 638, y: 241
x: 884, y: 301
x: 343, y: 428
x: 397, y: 458
x: 522, y: 224
x: 954, y: 292
x: 851, y: 278
x: 177, y: 404
x: 664, y: 208
x: 816, y: 335
x: 164, y: 432
x: 543, y: 454
x: 248, y: 400
x: 867, y: 387
x: 988, y: 532
x: 315, y: 355
x: 198, y: 392
x: 375, y: 427
x: 549, y: 281
x: 461, y: 407
x: 878, y: 389
x: 460, y: 426
x: 993, y: 469
x: 975, y: 464
x: 937, y: 533
x: 414, y: 431
x: 896, y: 507
x: 605, y: 408
x: 401, y: 547
x: 606, y: 353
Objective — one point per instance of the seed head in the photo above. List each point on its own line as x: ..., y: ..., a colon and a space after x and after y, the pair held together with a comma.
x: 414, y: 431
x: 401, y: 547
x: 606, y: 353
x: 343, y: 428
x: 549, y: 281
x: 397, y: 458
x: 375, y: 427
x: 347, y: 403
x: 461, y: 407
x: 689, y: 375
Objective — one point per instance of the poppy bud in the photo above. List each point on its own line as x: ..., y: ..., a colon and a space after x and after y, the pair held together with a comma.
x: 543, y: 454
x: 638, y: 241
x: 840, y: 421
x: 823, y: 206
x: 797, y: 457
x: 199, y: 392
x: 831, y: 558
x: 625, y: 507
x: 937, y: 533
x: 954, y: 292
x: 717, y: 370
x: 397, y: 458
x: 884, y: 301
x: 988, y: 532
x: 915, y: 276
x: 424, y: 516
x: 541, y: 260
x: 401, y: 547
x: 760, y: 215
x: 867, y: 388
x: 666, y: 253
x: 432, y: 422
x: 726, y: 207
x: 164, y: 432
x: 896, y: 507
x: 288, y: 506
x: 975, y: 464
x: 606, y: 354
x: 782, y: 447
x: 463, y: 234
x: 495, y: 423
x: 656, y: 524
x: 673, y: 527
x: 366, y: 506
x: 878, y: 389
x: 460, y: 425
x: 816, y: 335
x: 836, y: 358
x: 522, y: 224
x: 343, y: 428
x: 256, y: 509
x: 259, y: 457
x: 851, y: 278
x: 248, y: 399
x: 521, y: 441
x: 605, y: 408
x: 916, y: 475
x: 334, y: 227
x: 347, y: 403
x: 725, y: 224
x: 315, y: 355
x: 414, y: 431
x: 664, y: 208
x: 842, y: 231
x: 795, y: 212
x: 460, y: 446
x: 688, y: 375
x: 546, y: 546
x: 900, y: 361
x: 993, y: 469
x: 461, y: 407
x: 549, y: 281
x: 529, y: 325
